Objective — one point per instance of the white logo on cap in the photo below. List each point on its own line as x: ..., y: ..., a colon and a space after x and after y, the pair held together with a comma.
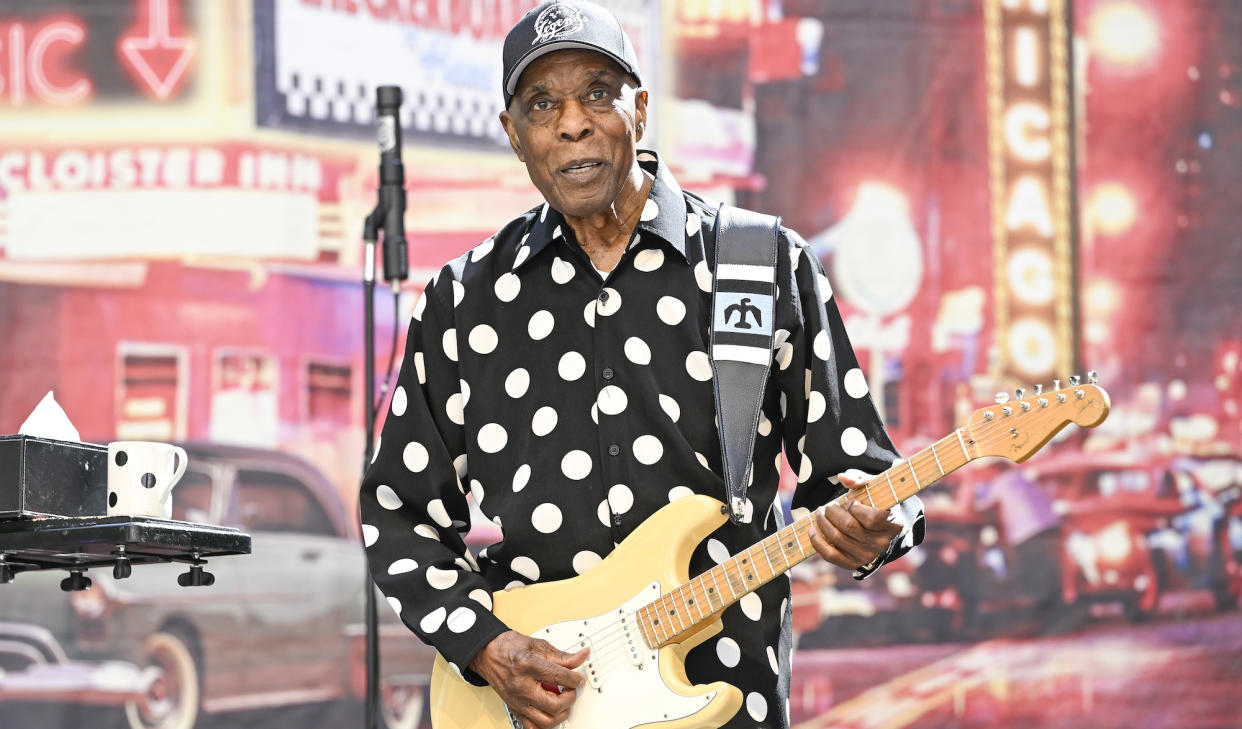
x: 557, y: 20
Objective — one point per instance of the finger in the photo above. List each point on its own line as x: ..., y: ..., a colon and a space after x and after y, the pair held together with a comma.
x: 569, y: 660
x: 831, y: 554
x: 845, y: 523
x: 558, y: 675
x: 547, y: 703
x: 533, y: 717
x: 554, y: 654
x: 873, y: 519
x: 851, y: 549
x: 561, y: 663
x: 563, y: 715
x: 853, y: 478
x: 548, y: 672
x: 875, y: 542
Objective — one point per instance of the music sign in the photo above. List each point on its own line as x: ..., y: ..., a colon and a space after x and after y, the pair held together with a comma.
x: 73, y: 52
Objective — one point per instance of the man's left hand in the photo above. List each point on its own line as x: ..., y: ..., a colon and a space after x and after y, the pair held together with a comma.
x: 853, y: 536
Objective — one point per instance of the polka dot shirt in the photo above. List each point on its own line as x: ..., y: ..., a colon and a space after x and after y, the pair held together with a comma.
x: 572, y: 405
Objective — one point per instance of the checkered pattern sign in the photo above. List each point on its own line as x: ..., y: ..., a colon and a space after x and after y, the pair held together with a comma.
x: 318, y: 67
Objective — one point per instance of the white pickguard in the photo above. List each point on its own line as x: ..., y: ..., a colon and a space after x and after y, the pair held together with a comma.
x: 626, y: 689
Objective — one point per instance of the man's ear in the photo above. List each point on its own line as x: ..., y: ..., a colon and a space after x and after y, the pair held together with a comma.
x: 506, y: 121
x: 640, y: 113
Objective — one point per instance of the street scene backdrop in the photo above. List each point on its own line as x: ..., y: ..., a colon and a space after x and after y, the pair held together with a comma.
x: 1004, y: 194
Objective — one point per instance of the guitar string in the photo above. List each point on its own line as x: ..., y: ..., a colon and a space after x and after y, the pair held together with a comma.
x: 603, y: 641
x: 602, y: 644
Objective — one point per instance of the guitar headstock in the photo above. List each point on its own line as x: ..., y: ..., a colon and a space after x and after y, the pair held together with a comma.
x: 1016, y: 428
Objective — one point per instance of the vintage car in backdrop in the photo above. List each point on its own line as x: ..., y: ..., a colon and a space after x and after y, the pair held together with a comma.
x: 1148, y: 532
x: 988, y: 565
x: 281, y: 627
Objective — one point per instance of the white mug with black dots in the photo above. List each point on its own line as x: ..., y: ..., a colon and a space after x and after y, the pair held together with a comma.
x: 141, y: 476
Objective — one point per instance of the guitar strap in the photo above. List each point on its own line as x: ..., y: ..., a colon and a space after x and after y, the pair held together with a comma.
x: 743, y: 313
x: 742, y: 335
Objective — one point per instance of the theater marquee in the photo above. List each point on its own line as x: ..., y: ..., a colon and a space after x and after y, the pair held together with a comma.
x: 1031, y: 152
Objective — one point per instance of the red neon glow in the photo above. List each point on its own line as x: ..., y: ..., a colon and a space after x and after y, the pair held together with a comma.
x: 58, y: 32
x: 154, y: 50
x: 36, y: 65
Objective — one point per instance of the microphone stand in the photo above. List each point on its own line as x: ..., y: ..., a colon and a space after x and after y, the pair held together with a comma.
x: 388, y: 217
x: 370, y: 607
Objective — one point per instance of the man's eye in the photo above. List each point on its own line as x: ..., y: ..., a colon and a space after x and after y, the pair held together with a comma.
x: 541, y: 105
x: 597, y: 95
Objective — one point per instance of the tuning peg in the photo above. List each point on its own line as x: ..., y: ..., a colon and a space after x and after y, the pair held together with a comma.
x: 1092, y: 377
x: 1019, y: 393
x: 1039, y: 389
x: 1074, y: 380
x: 1001, y: 397
x: 1056, y: 384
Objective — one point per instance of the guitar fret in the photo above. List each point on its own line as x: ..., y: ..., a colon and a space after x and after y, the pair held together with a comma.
x: 661, y: 627
x: 764, y: 549
x: 915, y: 474
x: 729, y: 579
x: 678, y: 616
x: 867, y: 489
x: 646, y: 626
x: 933, y: 450
x: 670, y: 609
x: 780, y: 543
x: 668, y: 619
x: 896, y: 500
x: 751, y: 582
x: 657, y: 632
x: 694, y: 600
x: 965, y: 452
x: 794, y: 534
x: 717, y: 584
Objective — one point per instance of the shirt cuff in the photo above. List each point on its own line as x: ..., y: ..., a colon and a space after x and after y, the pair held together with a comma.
x: 460, y: 650
x: 909, y: 514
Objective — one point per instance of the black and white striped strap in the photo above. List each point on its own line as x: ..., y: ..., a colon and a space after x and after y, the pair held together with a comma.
x: 743, y: 324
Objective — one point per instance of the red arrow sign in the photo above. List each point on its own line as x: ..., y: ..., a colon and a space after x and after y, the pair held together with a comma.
x: 156, y: 58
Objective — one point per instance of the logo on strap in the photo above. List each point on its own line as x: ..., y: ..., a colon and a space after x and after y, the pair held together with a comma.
x: 744, y: 309
x: 746, y: 314
x: 557, y: 20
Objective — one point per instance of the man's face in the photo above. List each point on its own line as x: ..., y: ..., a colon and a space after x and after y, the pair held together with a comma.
x: 575, y: 121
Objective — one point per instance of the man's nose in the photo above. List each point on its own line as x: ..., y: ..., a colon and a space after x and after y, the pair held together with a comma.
x: 575, y: 122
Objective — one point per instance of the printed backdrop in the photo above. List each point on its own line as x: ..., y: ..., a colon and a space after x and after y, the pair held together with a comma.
x: 1001, y: 200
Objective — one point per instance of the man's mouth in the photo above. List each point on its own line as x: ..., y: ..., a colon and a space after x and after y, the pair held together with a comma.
x: 581, y: 166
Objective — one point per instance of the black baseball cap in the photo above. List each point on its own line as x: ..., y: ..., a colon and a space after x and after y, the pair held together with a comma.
x: 562, y: 24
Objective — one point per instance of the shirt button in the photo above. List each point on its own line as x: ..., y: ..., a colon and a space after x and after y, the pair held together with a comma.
x: 616, y: 520
x: 608, y: 373
x: 614, y: 450
x: 603, y: 297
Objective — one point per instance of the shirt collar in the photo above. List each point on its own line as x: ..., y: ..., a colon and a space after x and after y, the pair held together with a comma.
x: 664, y: 214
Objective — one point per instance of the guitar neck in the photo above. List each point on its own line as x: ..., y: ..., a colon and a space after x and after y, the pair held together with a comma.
x: 684, y: 610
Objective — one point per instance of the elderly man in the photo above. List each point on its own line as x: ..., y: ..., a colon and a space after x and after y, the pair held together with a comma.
x: 559, y: 374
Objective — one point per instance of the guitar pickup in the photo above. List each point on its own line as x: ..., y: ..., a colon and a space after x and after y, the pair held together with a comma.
x: 633, y: 647
x: 589, y: 669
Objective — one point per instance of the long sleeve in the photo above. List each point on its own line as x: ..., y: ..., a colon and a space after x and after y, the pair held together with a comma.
x: 413, y: 503
x: 829, y: 422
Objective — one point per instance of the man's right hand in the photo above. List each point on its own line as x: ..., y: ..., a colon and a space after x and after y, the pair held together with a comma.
x: 518, y: 668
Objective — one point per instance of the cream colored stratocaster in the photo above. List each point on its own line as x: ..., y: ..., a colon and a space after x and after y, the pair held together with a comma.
x: 640, y: 612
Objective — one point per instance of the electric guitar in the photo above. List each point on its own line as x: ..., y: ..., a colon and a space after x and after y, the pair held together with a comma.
x: 640, y: 613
